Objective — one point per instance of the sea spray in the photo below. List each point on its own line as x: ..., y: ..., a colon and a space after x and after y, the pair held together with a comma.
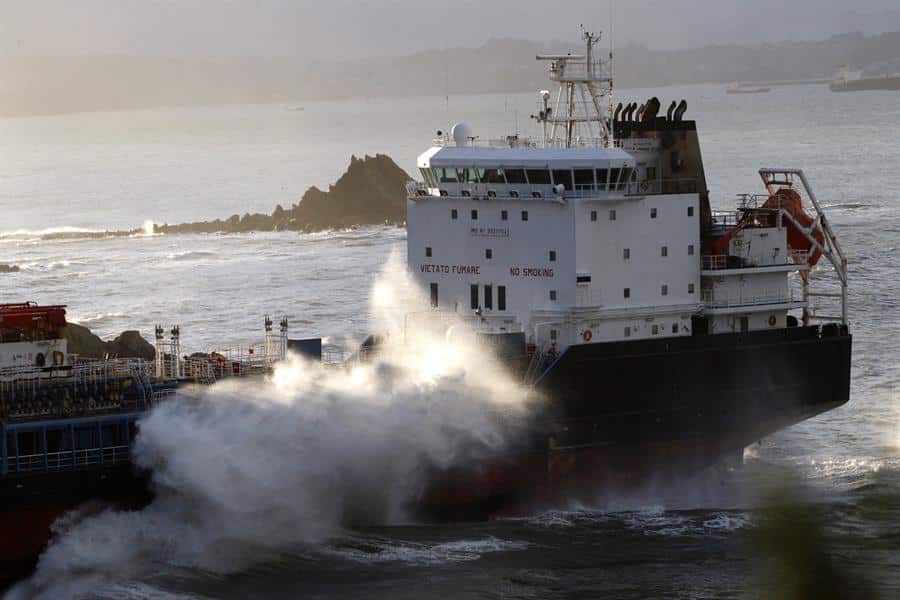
x: 248, y: 469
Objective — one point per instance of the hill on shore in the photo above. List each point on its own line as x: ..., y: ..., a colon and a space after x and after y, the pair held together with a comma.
x: 61, y: 83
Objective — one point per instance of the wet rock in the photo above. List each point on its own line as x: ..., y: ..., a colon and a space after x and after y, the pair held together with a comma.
x: 128, y: 344
x: 5, y: 268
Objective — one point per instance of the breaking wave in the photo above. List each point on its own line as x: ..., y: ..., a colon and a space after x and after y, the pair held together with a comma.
x: 246, y: 470
x: 38, y: 233
x: 376, y: 551
x: 55, y: 265
x: 97, y: 318
x: 190, y: 255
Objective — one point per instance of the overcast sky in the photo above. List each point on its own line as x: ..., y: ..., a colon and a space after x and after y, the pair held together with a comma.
x: 360, y: 28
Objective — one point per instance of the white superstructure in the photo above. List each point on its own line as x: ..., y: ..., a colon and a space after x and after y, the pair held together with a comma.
x: 588, y: 236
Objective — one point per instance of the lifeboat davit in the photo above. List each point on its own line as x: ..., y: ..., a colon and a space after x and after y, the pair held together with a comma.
x: 789, y: 200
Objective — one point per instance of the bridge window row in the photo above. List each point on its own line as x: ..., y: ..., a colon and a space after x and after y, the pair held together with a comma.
x: 571, y: 179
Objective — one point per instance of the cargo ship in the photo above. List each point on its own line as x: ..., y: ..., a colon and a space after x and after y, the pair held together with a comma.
x: 67, y: 423
x: 855, y: 81
x: 655, y: 335
x: 662, y: 336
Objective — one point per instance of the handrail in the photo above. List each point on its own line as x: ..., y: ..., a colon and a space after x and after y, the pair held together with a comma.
x: 69, y: 459
x: 716, y: 262
x: 780, y: 178
x: 710, y: 299
x: 499, y: 191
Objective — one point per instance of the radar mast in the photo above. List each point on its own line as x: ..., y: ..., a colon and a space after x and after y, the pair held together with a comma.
x: 579, y: 117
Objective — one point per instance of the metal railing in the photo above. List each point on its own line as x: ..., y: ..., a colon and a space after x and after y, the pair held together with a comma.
x: 82, y: 371
x: 713, y: 300
x: 69, y: 459
x: 333, y: 355
x: 517, y: 141
x: 482, y: 191
x: 710, y: 262
x: 715, y: 262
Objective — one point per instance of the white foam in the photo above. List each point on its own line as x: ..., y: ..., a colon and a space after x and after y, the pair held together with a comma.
x: 97, y: 318
x: 250, y: 468
x: 32, y: 233
x: 190, y: 255
x: 421, y: 554
x: 728, y: 521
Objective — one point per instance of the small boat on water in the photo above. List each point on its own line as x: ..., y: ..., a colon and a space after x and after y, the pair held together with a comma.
x: 744, y: 88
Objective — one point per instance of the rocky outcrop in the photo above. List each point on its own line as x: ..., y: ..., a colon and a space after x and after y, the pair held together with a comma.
x: 128, y: 344
x: 371, y: 192
x: 5, y: 268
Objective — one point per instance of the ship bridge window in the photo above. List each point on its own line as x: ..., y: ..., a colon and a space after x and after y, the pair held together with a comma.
x: 445, y: 175
x: 601, y: 179
x: 584, y: 179
x: 614, y: 177
x: 493, y: 176
x: 515, y: 176
x: 538, y: 176
x: 563, y: 177
x: 466, y: 175
x: 627, y: 174
x: 427, y: 177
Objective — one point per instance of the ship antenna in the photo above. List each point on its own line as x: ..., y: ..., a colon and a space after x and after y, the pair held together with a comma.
x: 447, y: 81
x: 447, y: 86
x: 609, y: 116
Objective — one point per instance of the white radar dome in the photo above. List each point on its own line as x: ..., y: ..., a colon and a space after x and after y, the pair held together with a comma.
x: 461, y: 133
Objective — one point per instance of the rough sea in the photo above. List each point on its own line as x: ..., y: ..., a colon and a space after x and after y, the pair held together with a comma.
x: 813, y: 511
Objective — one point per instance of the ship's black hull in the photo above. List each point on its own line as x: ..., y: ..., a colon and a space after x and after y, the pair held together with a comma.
x: 619, y: 414
x: 695, y: 387
x: 613, y: 415
x: 30, y: 504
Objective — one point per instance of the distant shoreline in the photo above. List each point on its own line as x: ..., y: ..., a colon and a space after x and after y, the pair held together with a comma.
x: 60, y: 84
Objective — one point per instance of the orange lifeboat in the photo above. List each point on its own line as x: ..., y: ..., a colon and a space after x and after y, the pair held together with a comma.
x: 789, y: 200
